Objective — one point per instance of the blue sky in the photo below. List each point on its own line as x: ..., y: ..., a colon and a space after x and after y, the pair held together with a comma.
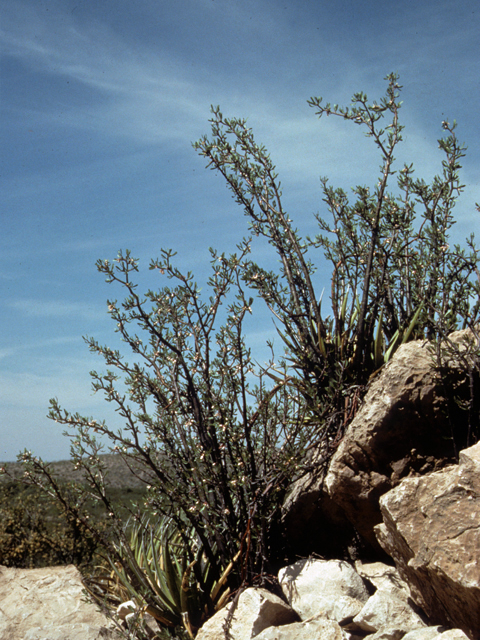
x: 100, y: 102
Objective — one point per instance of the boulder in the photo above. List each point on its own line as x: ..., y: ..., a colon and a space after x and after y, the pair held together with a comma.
x: 383, y: 611
x: 333, y: 603
x: 432, y: 531
x: 316, y: 628
x: 331, y: 588
x: 435, y: 633
x: 49, y: 604
x: 385, y: 577
x: 401, y: 429
x: 256, y: 610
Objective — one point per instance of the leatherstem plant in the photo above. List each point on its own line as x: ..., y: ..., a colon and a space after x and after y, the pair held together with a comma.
x: 394, y: 275
x: 218, y: 439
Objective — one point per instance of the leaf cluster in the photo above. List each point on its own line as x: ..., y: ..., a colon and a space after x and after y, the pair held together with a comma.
x: 156, y: 558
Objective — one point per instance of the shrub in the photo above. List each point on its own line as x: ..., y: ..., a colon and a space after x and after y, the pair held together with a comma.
x: 219, y: 445
x: 394, y: 274
x: 34, y: 534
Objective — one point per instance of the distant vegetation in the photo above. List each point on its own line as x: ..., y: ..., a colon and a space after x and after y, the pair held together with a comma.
x: 36, y: 532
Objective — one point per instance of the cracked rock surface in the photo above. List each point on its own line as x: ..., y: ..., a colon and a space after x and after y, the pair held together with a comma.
x: 431, y: 529
x: 48, y: 604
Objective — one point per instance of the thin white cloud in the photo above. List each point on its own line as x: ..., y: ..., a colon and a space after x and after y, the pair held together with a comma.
x: 150, y: 98
x: 54, y: 308
x: 146, y: 84
x: 38, y: 345
x: 144, y: 95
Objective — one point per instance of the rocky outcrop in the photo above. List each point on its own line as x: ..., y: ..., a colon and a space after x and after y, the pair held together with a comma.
x: 49, y: 604
x: 317, y: 628
x: 385, y: 578
x: 396, y: 461
x: 385, y: 611
x: 432, y: 530
x: 401, y: 429
x: 331, y: 601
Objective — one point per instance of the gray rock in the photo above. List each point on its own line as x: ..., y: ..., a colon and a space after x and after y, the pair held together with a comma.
x: 256, y: 610
x: 384, y: 611
x: 49, y: 604
x: 385, y: 577
x: 401, y: 429
x: 331, y: 588
x: 316, y: 628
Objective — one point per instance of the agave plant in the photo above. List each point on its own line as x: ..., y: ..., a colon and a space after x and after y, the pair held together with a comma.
x: 336, y: 338
x: 163, y: 570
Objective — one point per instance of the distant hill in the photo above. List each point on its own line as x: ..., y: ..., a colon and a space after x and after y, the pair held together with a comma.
x: 119, y: 475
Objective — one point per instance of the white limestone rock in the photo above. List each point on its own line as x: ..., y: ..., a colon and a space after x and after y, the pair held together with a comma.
x: 427, y: 633
x: 256, y: 610
x: 386, y: 612
x: 435, y: 633
x: 49, y: 604
x: 316, y: 628
x: 385, y: 577
x: 331, y: 588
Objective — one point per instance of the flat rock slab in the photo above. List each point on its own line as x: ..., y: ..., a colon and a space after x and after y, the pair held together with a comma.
x: 49, y: 604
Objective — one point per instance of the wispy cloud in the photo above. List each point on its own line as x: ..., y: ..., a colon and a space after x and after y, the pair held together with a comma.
x: 144, y: 94
x: 148, y: 96
x: 54, y: 309
x: 148, y: 85
x: 38, y: 346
